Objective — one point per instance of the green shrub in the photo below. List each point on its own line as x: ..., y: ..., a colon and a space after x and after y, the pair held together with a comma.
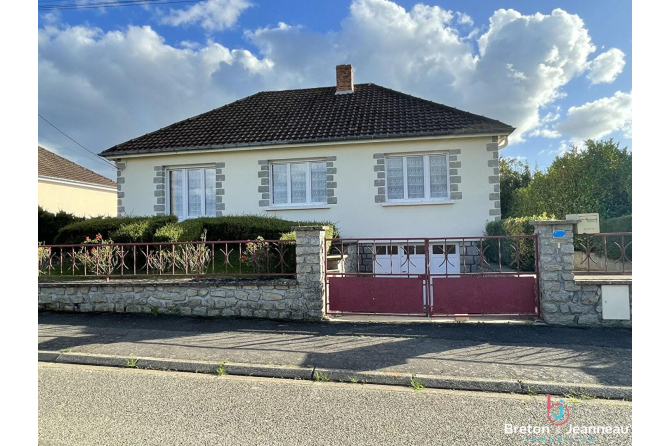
x: 185, y: 231
x: 619, y: 224
x: 244, y: 227
x: 48, y: 224
x: 108, y: 226
x: 505, y: 249
x: 134, y: 232
x: 330, y: 233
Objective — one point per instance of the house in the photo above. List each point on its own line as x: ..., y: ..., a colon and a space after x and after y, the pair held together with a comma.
x: 377, y: 162
x: 67, y: 186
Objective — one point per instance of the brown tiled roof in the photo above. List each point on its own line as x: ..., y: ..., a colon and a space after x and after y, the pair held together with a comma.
x: 51, y: 165
x: 313, y: 115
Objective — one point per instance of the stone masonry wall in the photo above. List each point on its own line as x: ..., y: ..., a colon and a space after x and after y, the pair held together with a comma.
x: 278, y: 299
x: 301, y: 298
x: 564, y: 300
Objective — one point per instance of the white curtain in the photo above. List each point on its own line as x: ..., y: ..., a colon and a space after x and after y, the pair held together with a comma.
x: 318, y: 174
x: 439, y: 171
x: 279, y: 183
x: 415, y: 186
x: 177, y: 193
x: 395, y: 181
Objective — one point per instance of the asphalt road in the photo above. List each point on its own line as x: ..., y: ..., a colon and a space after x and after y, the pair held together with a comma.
x: 81, y: 405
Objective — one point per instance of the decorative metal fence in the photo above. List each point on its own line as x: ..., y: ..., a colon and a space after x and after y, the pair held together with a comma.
x: 241, y: 258
x: 514, y: 255
x: 604, y: 253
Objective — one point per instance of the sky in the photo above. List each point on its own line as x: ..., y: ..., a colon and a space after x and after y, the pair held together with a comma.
x: 560, y: 72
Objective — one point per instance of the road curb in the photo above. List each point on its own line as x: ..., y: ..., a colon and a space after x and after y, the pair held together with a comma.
x: 481, y: 384
x: 353, y: 376
x: 339, y: 375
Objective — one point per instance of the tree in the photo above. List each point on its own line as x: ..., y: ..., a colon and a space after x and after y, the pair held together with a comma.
x: 597, y: 178
x: 513, y: 175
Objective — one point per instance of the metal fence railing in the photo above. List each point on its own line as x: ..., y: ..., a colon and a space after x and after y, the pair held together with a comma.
x: 604, y: 253
x: 241, y: 258
x: 445, y: 256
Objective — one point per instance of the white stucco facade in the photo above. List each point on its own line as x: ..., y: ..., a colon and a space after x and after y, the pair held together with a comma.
x: 357, y: 212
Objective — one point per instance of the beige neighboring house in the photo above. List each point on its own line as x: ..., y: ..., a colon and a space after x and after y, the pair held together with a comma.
x: 64, y: 185
x: 374, y: 161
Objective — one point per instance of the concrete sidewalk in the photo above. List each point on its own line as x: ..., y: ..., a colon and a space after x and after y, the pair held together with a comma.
x: 528, y: 353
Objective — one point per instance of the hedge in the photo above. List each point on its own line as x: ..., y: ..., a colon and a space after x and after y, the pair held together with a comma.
x: 185, y: 231
x: 244, y: 227
x: 128, y: 229
x: 48, y: 224
x: 167, y: 229
x: 619, y: 224
x: 510, y: 227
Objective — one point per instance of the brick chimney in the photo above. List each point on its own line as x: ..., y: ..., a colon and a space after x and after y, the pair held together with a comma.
x: 345, y: 79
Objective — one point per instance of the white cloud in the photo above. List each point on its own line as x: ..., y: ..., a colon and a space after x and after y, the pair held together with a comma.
x: 599, y: 118
x: 464, y: 19
x: 213, y: 15
x: 138, y: 83
x: 545, y: 133
x: 607, y: 66
x: 518, y: 66
x: 544, y: 128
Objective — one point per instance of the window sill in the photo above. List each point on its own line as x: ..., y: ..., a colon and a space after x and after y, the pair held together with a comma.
x: 295, y: 208
x: 416, y: 203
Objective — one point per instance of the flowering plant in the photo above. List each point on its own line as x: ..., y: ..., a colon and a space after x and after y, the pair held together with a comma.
x: 256, y: 254
x: 43, y: 258
x: 102, y: 259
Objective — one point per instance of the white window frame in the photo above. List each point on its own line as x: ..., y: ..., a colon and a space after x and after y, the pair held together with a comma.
x: 426, y: 179
x: 308, y: 198
x: 184, y: 215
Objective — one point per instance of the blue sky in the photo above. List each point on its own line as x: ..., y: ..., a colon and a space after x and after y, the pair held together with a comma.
x: 559, y: 71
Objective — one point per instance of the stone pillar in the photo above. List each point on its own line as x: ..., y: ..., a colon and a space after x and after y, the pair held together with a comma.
x: 555, y: 271
x: 310, y: 269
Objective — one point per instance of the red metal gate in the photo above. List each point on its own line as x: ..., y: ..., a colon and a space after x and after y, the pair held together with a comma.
x: 452, y: 276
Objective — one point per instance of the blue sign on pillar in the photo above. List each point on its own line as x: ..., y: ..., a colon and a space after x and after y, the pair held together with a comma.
x: 559, y: 234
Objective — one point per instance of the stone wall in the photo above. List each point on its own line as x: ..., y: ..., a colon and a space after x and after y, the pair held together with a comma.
x: 277, y: 299
x: 565, y: 299
x: 301, y: 298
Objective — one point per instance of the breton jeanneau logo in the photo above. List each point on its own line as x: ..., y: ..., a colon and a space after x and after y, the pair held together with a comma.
x: 557, y: 413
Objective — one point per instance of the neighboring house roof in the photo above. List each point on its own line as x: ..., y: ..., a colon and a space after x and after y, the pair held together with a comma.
x: 53, y: 166
x: 312, y: 115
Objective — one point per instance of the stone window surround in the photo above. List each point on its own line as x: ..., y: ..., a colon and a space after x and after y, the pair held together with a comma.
x: 494, y: 178
x: 265, y: 188
x: 120, y: 195
x: 454, y: 176
x: 160, y: 193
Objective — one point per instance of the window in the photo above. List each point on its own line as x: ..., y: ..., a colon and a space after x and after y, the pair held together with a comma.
x: 439, y: 249
x: 299, y: 183
x: 417, y: 178
x: 192, y: 192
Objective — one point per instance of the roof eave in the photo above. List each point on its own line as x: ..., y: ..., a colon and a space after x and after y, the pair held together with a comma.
x: 110, y: 153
